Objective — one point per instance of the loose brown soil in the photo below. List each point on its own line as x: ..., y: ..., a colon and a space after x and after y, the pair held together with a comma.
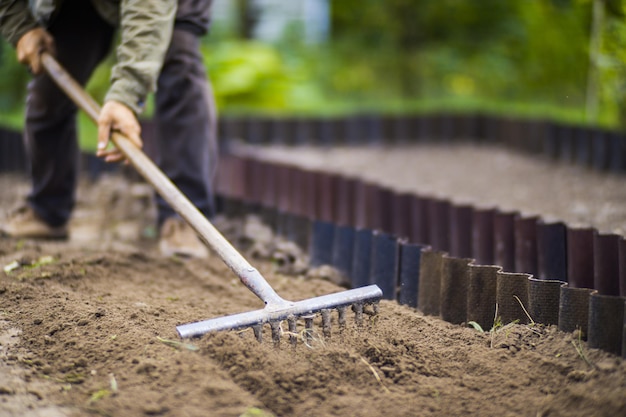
x: 87, y: 327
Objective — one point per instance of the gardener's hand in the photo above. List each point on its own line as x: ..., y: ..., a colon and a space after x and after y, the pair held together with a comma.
x: 30, y: 47
x: 115, y: 116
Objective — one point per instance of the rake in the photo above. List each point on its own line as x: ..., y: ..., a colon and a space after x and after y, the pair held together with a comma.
x: 276, y: 308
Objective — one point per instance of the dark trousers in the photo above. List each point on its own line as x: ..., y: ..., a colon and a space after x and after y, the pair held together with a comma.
x: 185, y: 115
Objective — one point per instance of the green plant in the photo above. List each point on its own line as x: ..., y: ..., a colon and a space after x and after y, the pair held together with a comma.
x: 578, y: 345
x: 250, y: 75
x: 177, y: 344
x: 256, y: 412
x: 497, y: 328
x: 476, y: 326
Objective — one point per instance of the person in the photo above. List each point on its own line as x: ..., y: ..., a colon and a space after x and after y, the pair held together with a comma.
x: 158, y: 50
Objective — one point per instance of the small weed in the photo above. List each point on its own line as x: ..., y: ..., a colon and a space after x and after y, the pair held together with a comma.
x: 495, y: 331
x: 499, y: 327
x: 149, y: 232
x: 74, y: 378
x: 113, y: 382
x: 256, y: 412
x: 177, y: 345
x: 11, y: 267
x: 476, y: 326
x: 44, y: 260
x: 26, y: 275
x: 98, y: 395
x: 27, y: 267
x: 177, y: 259
x: 578, y: 345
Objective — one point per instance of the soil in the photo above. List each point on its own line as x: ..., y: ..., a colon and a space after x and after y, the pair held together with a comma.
x: 87, y: 326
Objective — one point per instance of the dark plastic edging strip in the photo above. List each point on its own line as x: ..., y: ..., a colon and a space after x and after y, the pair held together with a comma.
x: 451, y: 286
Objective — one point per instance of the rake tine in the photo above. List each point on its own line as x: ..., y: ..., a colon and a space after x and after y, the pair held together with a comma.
x: 341, y: 311
x: 326, y: 322
x: 358, y: 313
x: 293, y: 330
x: 308, y: 328
x: 275, y: 326
x: 258, y: 332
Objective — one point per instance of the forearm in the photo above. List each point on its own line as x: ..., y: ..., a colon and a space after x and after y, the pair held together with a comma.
x: 146, y: 29
x: 15, y: 19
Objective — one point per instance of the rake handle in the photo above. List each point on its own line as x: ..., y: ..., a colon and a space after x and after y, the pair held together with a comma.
x: 248, y: 275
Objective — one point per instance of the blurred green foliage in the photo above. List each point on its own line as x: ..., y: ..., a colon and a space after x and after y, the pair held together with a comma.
x: 13, y: 80
x: 612, y: 67
x: 514, y: 50
x: 254, y: 76
x: 522, y: 57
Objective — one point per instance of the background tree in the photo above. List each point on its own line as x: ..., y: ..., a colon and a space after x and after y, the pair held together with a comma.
x: 536, y: 57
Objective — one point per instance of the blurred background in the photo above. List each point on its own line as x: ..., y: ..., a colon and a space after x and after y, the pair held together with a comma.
x: 561, y: 60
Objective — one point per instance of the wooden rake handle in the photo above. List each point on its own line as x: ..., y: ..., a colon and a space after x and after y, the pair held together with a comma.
x: 248, y: 275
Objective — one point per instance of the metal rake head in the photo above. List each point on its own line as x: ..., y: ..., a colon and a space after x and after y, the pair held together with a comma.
x: 276, y: 312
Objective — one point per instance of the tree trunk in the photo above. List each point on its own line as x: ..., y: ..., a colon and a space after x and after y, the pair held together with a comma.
x: 246, y: 19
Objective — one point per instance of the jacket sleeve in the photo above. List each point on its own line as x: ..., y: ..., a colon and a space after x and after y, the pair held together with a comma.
x: 15, y: 19
x: 145, y: 33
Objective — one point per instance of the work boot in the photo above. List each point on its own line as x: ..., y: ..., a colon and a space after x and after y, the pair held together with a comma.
x: 25, y: 223
x: 178, y: 238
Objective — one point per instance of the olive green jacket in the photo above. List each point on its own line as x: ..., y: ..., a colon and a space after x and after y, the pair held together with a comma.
x: 145, y: 32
